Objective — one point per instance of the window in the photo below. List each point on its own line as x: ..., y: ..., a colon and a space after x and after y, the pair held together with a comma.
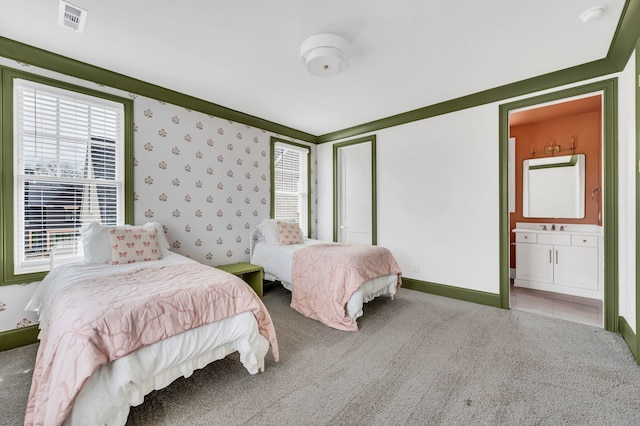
x: 290, y: 182
x: 68, y: 168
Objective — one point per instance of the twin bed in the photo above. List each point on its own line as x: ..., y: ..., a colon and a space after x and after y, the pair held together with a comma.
x: 113, y: 330
x: 133, y: 316
x: 329, y: 282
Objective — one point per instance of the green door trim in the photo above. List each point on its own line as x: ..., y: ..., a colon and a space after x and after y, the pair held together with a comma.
x: 636, y: 342
x: 374, y: 190
x: 609, y: 90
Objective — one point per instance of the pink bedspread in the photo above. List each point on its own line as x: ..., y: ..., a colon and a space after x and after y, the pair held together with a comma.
x: 324, y: 276
x: 105, y: 319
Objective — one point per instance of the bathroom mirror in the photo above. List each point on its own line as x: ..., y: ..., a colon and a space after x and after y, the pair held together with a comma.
x: 553, y: 187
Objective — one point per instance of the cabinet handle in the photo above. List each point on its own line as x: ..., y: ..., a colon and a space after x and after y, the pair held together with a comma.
x: 556, y: 257
x: 550, y: 261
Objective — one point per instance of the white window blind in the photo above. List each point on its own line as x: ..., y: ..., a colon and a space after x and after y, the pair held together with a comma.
x: 68, y: 151
x: 291, y: 184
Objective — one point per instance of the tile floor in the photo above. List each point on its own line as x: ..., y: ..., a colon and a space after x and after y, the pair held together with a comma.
x: 567, y: 307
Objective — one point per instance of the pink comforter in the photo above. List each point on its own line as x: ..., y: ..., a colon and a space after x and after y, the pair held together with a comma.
x: 324, y: 276
x: 102, y: 320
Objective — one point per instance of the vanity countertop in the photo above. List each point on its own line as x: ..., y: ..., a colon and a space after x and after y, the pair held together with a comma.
x: 566, y: 228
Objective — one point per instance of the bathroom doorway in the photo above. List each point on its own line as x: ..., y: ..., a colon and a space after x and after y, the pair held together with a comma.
x: 545, y: 127
x: 546, y: 134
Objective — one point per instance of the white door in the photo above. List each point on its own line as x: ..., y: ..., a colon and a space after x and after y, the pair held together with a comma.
x: 355, y: 193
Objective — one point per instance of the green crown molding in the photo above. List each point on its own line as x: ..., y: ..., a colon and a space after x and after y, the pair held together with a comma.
x: 21, y: 52
x: 622, y: 46
x: 536, y: 84
x: 626, y: 36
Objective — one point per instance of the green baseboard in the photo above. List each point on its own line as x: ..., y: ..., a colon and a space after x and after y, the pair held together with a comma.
x: 480, y: 297
x: 630, y: 337
x: 19, y: 337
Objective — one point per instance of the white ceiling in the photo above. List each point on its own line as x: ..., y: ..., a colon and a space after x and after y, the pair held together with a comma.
x: 244, y: 54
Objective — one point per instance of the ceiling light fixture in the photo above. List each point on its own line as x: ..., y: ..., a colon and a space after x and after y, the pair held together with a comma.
x: 325, y: 54
x: 591, y: 14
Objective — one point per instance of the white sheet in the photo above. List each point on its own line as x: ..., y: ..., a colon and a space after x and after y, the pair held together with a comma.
x: 107, y: 395
x: 277, y: 260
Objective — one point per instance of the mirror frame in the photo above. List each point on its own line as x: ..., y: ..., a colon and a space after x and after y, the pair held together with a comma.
x: 564, y: 195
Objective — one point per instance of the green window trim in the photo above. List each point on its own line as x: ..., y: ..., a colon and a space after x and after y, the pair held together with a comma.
x: 272, y: 209
x: 7, y: 76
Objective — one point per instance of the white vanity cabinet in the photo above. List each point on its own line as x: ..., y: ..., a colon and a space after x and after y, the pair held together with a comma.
x: 533, y: 261
x: 559, y: 261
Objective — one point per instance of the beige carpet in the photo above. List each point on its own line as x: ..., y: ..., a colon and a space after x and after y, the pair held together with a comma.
x: 419, y: 359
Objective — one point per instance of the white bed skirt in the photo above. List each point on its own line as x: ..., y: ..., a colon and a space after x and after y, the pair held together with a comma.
x: 381, y: 286
x: 108, y: 394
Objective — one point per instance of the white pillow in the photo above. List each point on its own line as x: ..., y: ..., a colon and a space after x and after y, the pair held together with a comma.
x: 96, y: 241
x: 269, y: 230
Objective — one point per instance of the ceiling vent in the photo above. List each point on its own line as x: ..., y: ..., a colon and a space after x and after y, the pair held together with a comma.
x: 71, y: 16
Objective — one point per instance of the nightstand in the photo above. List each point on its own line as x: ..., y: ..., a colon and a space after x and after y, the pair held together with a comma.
x: 251, y: 274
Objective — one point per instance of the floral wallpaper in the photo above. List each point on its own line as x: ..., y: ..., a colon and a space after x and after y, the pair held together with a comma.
x: 205, y: 179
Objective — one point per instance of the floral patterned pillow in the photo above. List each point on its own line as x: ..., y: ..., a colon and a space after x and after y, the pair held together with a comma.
x: 289, y: 233
x: 134, y: 244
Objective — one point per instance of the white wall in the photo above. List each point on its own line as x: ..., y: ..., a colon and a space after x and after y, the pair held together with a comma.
x: 627, y: 193
x: 438, y: 194
x: 431, y: 174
